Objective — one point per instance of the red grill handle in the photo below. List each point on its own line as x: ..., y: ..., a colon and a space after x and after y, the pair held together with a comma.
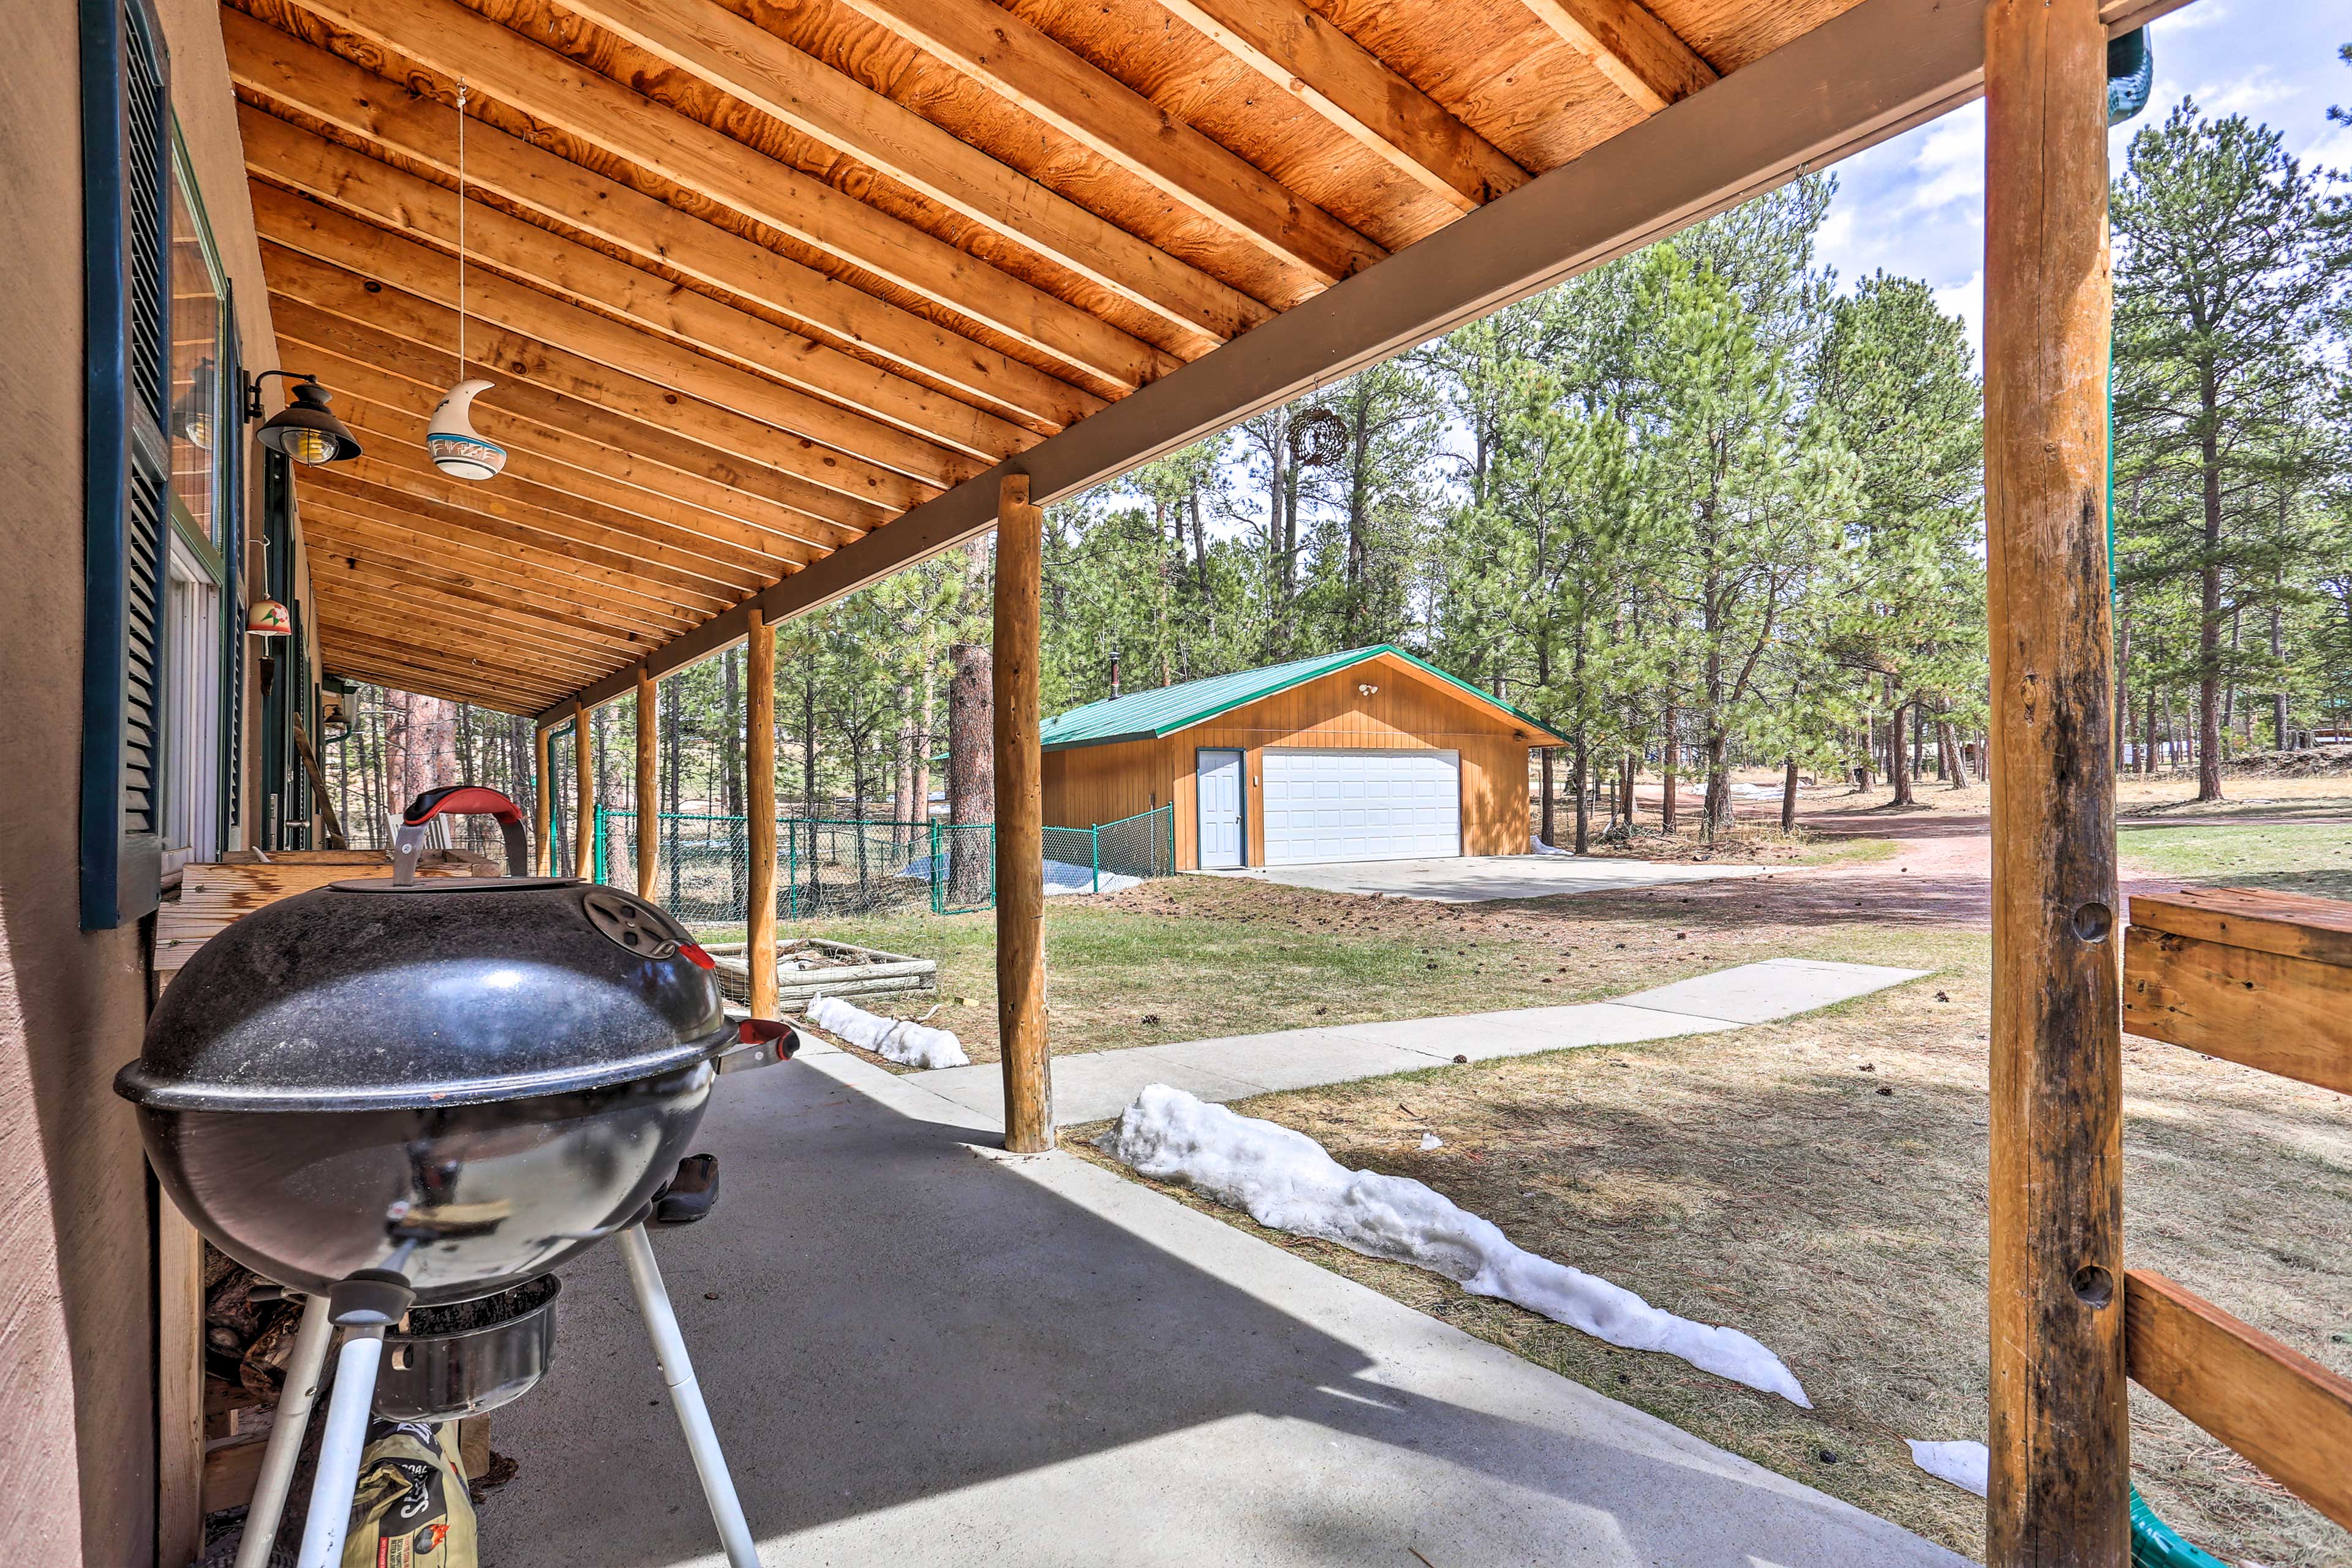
x: 468, y: 800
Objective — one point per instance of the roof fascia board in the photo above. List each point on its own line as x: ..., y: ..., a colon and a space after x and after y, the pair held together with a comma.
x: 1868, y: 74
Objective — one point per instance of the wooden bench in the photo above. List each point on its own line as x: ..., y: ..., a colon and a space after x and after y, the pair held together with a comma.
x: 2264, y: 980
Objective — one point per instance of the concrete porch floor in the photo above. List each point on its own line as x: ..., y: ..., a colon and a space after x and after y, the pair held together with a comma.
x: 919, y: 1353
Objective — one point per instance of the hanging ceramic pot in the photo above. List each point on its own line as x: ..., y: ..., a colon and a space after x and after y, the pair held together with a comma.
x: 269, y: 619
x: 456, y: 450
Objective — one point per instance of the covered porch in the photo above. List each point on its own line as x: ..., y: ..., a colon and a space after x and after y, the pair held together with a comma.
x: 775, y: 302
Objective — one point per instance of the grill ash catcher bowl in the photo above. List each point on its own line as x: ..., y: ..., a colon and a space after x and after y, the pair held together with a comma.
x: 389, y: 1095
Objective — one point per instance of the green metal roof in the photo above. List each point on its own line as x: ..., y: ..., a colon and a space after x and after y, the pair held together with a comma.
x: 1149, y: 715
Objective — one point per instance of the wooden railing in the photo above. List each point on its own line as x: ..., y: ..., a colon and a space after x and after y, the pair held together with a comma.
x: 2264, y: 980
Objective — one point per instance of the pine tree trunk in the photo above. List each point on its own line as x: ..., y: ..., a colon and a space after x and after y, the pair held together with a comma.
x: 2209, y: 614
x: 971, y: 770
x: 2147, y: 744
x: 1549, y: 799
x: 1898, y: 757
x: 1788, y: 795
x: 1672, y: 755
x: 2278, y: 697
x: 1626, y: 789
x: 1948, y: 746
x: 1583, y: 812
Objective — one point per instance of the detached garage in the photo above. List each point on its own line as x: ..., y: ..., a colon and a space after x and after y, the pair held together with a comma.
x: 1370, y: 754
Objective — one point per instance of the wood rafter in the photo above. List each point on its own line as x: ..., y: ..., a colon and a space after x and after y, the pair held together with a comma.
x: 753, y: 65
x: 1027, y: 66
x: 1641, y: 57
x: 327, y: 87
x: 360, y: 567
x: 1354, y: 90
x: 848, y: 451
x: 364, y: 607
x: 661, y: 456
x: 447, y: 37
x: 875, y: 400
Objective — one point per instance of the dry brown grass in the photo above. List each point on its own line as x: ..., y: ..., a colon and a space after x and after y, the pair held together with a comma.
x: 1821, y: 1185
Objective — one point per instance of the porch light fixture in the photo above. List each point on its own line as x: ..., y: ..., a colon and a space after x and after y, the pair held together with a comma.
x: 306, y: 429
x: 269, y: 619
x: 457, y: 450
x: 195, y: 416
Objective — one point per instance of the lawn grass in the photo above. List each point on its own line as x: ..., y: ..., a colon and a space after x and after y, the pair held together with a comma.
x: 1821, y: 1185
x: 1195, y: 958
x: 2302, y: 858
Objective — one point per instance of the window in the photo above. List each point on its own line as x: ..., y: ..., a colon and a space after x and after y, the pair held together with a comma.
x: 126, y: 216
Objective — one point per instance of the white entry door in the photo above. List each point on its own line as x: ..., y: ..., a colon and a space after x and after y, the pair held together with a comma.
x: 1221, y: 810
x: 1323, y: 805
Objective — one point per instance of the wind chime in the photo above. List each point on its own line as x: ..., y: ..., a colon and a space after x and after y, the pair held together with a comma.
x: 456, y: 450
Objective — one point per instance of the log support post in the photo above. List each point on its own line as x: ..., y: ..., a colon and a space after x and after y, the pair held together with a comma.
x: 2059, y: 1427
x: 649, y: 787
x: 760, y: 805
x: 583, y: 768
x: 1020, y: 825
x: 542, y: 809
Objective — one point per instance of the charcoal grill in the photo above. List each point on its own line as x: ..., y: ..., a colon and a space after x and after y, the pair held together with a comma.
x: 390, y: 1093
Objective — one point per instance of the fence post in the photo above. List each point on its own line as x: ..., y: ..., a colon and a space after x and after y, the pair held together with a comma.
x: 1094, y: 837
x: 597, y: 867
x: 932, y: 863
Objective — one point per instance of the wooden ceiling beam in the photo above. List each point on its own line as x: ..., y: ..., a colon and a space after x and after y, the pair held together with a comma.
x: 1028, y: 67
x: 1641, y: 57
x: 346, y: 604
x: 555, y: 92
x: 664, y: 456
x: 327, y: 87
x: 404, y: 409
x: 400, y: 445
x: 505, y: 356
x: 448, y: 663
x: 694, y: 581
x: 878, y: 407
x: 361, y: 668
x: 1351, y: 88
x: 366, y: 570
x: 851, y: 452
x: 404, y: 665
x: 756, y: 68
x: 536, y: 582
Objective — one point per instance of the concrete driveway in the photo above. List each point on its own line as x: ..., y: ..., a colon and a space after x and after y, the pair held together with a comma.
x: 1474, y: 879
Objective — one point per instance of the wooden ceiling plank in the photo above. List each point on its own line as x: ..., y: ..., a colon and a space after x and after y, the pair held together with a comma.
x: 450, y: 39
x: 364, y: 569
x: 879, y: 409
x: 331, y: 90
x: 845, y: 449
x: 664, y: 453
x: 366, y: 672
x: 504, y: 354
x: 391, y: 449
x: 693, y: 581
x: 1354, y: 90
x: 403, y: 409
x: 456, y: 667
x: 1028, y: 66
x: 1641, y: 57
x: 534, y: 580
x: 348, y: 605
x: 755, y: 67
x: 377, y: 666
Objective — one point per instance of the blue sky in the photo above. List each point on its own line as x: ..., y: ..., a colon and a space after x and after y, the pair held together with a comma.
x: 1914, y: 205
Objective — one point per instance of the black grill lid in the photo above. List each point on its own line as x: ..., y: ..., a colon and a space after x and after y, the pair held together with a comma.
x: 448, y: 991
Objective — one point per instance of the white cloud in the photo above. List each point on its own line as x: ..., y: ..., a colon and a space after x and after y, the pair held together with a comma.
x: 2250, y: 95
x: 1950, y: 163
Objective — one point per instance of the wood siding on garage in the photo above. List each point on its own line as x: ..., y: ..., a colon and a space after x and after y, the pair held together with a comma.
x: 1089, y: 785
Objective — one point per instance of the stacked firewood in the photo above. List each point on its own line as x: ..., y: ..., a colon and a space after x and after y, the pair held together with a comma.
x: 247, y: 1343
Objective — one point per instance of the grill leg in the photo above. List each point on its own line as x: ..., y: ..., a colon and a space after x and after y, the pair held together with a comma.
x: 303, y: 1372
x: 686, y: 1396
x: 339, y: 1451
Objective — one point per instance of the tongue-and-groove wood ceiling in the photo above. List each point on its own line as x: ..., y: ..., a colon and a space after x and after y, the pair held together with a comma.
x: 753, y: 280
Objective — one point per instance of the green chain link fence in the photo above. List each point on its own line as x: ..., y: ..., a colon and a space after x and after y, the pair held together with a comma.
x: 836, y: 868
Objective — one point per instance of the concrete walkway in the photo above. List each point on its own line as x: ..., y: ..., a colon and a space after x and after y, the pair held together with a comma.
x: 1476, y: 878
x: 921, y: 1355
x: 1091, y: 1085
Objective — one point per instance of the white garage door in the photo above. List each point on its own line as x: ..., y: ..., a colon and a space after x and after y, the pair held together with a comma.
x: 1362, y: 805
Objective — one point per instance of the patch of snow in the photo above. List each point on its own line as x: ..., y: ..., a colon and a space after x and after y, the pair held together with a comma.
x: 1287, y: 1180
x: 1061, y: 877
x: 1432, y: 1141
x: 902, y: 1040
x: 1538, y: 846
x: 1965, y: 1465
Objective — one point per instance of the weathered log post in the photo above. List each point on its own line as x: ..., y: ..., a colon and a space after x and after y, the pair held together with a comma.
x: 648, y: 790
x: 760, y: 805
x: 1020, y: 825
x: 2060, y: 1430
x: 542, y: 808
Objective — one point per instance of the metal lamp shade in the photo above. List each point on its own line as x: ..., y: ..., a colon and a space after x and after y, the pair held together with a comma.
x: 308, y: 431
